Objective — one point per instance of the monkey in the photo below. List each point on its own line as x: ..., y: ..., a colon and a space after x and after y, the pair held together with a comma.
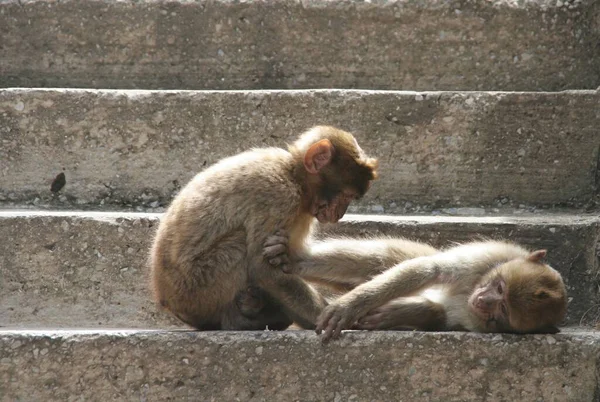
x: 484, y: 286
x: 206, y: 262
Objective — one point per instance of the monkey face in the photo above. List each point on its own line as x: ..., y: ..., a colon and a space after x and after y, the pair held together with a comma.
x: 330, y: 208
x: 522, y: 296
x: 338, y: 171
x: 340, y: 183
x: 489, y: 303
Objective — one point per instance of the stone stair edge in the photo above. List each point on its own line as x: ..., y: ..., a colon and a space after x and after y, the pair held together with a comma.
x: 584, y: 334
x: 352, y: 91
x: 572, y: 218
x: 333, y: 3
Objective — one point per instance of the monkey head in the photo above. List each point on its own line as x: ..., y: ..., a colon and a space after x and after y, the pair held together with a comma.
x: 335, y: 171
x: 522, y: 296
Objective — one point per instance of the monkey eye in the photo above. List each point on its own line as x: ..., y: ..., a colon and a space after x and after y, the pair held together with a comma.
x: 504, y: 309
x: 501, y: 286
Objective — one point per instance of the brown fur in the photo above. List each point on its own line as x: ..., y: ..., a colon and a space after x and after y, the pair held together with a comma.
x: 537, y: 296
x: 428, y: 289
x: 207, y: 266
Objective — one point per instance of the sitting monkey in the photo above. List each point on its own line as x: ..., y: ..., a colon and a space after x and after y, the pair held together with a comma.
x: 206, y: 262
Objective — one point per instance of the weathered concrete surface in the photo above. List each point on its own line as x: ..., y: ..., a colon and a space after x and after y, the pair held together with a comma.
x: 67, y: 269
x: 293, y: 365
x: 397, y: 44
x: 436, y: 150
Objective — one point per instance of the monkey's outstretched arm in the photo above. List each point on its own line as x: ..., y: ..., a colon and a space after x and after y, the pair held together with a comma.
x: 351, y: 261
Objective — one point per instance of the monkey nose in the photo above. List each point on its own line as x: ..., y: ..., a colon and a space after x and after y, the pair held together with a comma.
x: 483, y: 301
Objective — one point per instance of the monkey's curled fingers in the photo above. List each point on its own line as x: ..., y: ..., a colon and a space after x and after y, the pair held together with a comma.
x: 378, y: 319
x: 333, y: 320
x: 275, y: 250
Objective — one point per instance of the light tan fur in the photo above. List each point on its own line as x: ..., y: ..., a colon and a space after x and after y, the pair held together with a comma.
x: 404, y: 284
x: 208, y: 248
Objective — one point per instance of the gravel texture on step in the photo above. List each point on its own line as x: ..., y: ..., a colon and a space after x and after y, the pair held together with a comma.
x: 293, y: 365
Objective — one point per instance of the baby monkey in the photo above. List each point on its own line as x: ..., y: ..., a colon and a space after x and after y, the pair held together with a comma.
x: 207, y: 266
x: 489, y: 286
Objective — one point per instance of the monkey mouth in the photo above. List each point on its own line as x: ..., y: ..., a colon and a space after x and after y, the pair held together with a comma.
x: 326, y: 216
x: 475, y: 308
x: 321, y: 211
x: 326, y: 213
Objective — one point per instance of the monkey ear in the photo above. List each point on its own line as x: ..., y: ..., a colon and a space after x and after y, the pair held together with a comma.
x: 318, y: 156
x: 537, y: 256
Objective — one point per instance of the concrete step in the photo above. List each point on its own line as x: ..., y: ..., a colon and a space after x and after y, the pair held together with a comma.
x: 86, y: 269
x: 55, y: 365
x: 417, y: 44
x: 436, y: 149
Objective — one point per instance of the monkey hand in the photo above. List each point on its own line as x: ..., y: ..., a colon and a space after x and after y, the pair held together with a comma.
x: 381, y: 318
x: 275, y: 250
x: 333, y: 319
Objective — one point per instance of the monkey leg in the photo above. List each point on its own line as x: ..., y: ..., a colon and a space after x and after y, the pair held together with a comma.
x: 199, y: 288
x: 254, y: 309
x: 415, y: 312
x: 270, y: 317
x: 251, y: 309
x: 299, y: 300
x: 273, y: 315
x: 250, y: 301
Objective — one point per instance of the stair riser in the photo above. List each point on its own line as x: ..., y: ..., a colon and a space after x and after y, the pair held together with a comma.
x: 90, y: 271
x: 436, y: 150
x: 421, y: 45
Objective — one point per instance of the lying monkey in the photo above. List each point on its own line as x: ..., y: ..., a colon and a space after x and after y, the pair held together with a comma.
x: 207, y: 266
x: 488, y: 286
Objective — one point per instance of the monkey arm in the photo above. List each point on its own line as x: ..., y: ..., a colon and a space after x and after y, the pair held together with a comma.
x: 401, y: 280
x: 416, y: 312
x: 348, y: 261
x: 297, y: 298
x: 351, y: 261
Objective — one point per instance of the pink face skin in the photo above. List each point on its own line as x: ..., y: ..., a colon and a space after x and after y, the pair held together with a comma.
x: 334, y: 210
x: 489, y: 303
